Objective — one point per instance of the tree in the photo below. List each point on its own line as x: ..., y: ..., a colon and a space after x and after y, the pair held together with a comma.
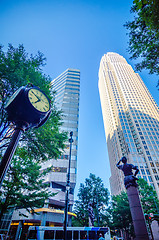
x: 148, y: 196
x: 16, y: 70
x: 144, y: 34
x: 120, y: 212
x: 92, y: 191
x: 23, y: 185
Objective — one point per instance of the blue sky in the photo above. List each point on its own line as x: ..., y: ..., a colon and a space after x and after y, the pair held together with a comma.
x: 75, y: 34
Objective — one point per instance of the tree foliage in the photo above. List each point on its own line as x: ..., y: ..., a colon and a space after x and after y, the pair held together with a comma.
x: 92, y: 191
x: 144, y: 34
x: 148, y: 196
x: 120, y: 213
x: 120, y: 210
x: 18, y: 69
x: 23, y: 185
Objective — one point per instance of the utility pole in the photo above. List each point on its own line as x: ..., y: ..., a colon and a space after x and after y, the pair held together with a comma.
x: 67, y: 188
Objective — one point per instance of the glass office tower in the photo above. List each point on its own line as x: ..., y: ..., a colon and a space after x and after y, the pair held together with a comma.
x: 131, y: 121
x: 67, y: 87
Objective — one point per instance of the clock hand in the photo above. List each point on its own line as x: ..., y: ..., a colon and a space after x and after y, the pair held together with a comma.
x: 37, y: 101
x: 36, y: 96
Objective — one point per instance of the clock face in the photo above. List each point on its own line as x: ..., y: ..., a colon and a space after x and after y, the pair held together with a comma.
x: 13, y: 97
x: 38, y: 100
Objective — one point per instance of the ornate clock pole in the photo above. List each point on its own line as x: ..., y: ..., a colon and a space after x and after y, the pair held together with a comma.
x: 10, y: 151
x: 28, y: 107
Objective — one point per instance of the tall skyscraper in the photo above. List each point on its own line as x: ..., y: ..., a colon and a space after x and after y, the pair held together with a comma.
x: 67, y: 87
x: 131, y: 121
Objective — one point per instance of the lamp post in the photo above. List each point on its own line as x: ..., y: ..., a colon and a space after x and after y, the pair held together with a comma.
x: 67, y: 188
x: 97, y: 205
x: 97, y: 212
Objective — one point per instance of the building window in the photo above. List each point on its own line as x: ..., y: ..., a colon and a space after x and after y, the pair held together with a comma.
x: 157, y: 164
x: 59, y: 169
x: 151, y: 163
x: 148, y: 172
x: 154, y: 170
x: 64, y: 157
x: 150, y: 178
x: 145, y: 178
x: 143, y: 172
x: 58, y: 186
x: 157, y: 177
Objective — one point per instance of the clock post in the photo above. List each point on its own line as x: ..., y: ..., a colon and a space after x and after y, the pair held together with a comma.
x: 10, y: 150
x: 28, y: 107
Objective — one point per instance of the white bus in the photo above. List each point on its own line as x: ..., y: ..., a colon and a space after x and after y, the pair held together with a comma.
x: 73, y: 233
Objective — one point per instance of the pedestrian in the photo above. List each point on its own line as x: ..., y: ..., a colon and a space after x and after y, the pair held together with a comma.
x: 101, y: 236
x: 114, y: 238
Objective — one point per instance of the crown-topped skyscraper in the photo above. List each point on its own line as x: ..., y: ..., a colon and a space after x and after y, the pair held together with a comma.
x: 131, y: 121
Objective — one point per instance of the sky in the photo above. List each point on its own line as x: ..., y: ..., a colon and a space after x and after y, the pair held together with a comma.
x: 75, y: 34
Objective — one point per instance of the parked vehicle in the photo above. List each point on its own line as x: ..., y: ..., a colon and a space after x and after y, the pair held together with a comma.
x: 73, y: 233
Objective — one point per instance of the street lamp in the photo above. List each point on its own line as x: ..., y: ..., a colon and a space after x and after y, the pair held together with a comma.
x: 67, y: 188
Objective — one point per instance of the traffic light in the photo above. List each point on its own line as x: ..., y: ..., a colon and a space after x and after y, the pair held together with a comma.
x: 149, y: 217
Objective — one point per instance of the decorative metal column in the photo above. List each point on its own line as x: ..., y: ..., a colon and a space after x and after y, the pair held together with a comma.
x: 67, y: 189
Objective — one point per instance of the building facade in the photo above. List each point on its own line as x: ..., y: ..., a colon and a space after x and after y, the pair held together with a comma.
x: 67, y: 88
x: 131, y: 121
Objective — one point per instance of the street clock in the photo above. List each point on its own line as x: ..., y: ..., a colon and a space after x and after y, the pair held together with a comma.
x: 29, y: 105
